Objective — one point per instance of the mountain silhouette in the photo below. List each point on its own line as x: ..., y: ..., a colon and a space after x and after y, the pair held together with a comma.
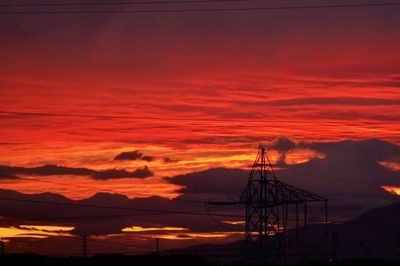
x: 374, y: 234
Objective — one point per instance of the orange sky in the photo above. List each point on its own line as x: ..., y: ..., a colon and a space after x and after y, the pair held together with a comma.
x: 200, y: 125
x: 201, y: 90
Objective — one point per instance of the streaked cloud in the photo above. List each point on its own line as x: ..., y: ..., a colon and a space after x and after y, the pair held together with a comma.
x: 149, y: 229
x: 132, y: 156
x: 48, y: 170
x: 35, y: 231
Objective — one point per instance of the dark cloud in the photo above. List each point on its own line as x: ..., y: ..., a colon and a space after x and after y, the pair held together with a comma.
x: 169, y: 160
x: 312, y: 45
x: 335, y: 101
x: 349, y: 175
x: 148, y: 158
x: 129, y: 155
x: 372, y: 150
x: 45, y: 170
x: 283, y: 144
x: 355, y: 115
x: 227, y: 182
x: 133, y: 156
x: 10, y: 172
x: 386, y: 81
x: 5, y: 176
x: 116, y: 173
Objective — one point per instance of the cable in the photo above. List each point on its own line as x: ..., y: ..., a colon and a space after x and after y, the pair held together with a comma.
x: 157, y: 211
x: 108, y: 242
x: 154, y: 212
x: 118, y: 243
x: 118, y: 3
x: 130, y: 117
x: 203, y: 212
x: 67, y: 218
x: 11, y: 113
x: 217, y: 222
x: 98, y: 116
x: 239, y: 120
x: 111, y: 216
x: 276, y: 8
x: 223, y: 203
x: 194, y: 250
x: 114, y: 207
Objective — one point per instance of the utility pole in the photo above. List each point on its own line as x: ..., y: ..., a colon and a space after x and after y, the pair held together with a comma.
x: 84, y: 246
x: 398, y: 247
x: 367, y: 250
x: 335, y: 245
x: 2, y: 247
x: 157, y: 246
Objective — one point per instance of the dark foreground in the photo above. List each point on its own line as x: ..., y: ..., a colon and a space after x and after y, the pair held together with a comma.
x: 164, y: 260
x: 106, y: 260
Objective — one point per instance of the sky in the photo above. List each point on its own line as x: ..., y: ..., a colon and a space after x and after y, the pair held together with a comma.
x: 148, y: 109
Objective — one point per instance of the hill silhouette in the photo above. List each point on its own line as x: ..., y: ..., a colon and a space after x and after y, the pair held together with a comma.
x: 106, y: 260
x: 374, y: 234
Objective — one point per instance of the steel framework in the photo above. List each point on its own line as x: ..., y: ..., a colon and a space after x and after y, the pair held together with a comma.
x: 267, y: 201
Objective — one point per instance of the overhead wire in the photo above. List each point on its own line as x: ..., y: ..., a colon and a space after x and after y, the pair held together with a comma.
x: 143, y: 247
x: 85, y: 205
x: 203, y: 10
x: 158, y: 211
x: 24, y: 115
x: 126, y: 3
x: 48, y: 114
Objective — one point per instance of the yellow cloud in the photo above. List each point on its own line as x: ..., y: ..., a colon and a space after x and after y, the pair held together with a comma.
x: 35, y: 231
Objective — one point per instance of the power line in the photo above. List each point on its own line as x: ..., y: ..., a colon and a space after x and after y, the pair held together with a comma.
x: 46, y: 114
x: 205, y: 212
x: 275, y: 8
x: 108, y: 242
x: 119, y: 243
x: 107, y: 116
x: 158, y: 211
x: 68, y: 218
x: 130, y: 117
x: 110, y: 216
x: 115, y: 207
x: 117, y: 3
x: 154, y: 212
x: 234, y: 248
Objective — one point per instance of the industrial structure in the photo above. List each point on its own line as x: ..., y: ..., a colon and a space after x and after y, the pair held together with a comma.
x: 267, y: 202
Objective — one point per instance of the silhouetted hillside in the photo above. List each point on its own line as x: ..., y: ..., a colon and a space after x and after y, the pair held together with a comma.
x: 167, y: 260
x: 374, y: 234
x: 106, y: 260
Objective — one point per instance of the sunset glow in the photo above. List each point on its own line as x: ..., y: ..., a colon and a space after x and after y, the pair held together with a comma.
x: 131, y: 127
x: 35, y: 231
x: 393, y: 190
x: 148, y: 229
